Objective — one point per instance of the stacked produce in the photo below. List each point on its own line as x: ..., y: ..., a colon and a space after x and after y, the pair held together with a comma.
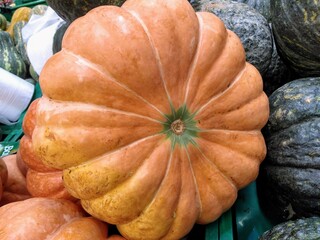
x: 12, y: 47
x: 154, y: 114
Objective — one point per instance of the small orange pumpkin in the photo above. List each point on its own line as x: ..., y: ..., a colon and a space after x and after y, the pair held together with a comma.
x: 15, y: 188
x: 50, y: 219
x: 154, y: 115
x: 3, y: 176
x: 42, y: 181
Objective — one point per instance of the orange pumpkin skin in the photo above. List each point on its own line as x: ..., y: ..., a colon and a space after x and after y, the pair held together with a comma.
x: 15, y: 188
x: 21, y: 164
x: 42, y: 181
x: 3, y: 176
x: 156, y: 123
x: 51, y: 219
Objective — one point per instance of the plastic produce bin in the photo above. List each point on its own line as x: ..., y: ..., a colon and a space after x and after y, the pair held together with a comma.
x: 11, y: 134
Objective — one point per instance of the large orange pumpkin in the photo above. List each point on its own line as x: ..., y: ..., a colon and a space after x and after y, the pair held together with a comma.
x: 154, y: 116
x: 42, y: 181
x: 50, y: 219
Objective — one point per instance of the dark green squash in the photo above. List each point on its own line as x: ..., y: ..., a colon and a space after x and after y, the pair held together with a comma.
x: 69, y: 10
x: 21, y: 46
x: 58, y: 36
x: 195, y: 4
x: 262, y: 6
x: 17, y: 31
x: 296, y: 28
x: 33, y: 73
x: 289, y: 177
x: 278, y: 72
x: 300, y: 229
x: 10, y: 59
x: 251, y: 27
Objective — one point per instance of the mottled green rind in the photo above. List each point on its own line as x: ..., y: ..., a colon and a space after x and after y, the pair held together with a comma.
x: 294, y: 103
x: 33, y: 73
x: 250, y: 26
x: 296, y: 28
x: 10, y: 59
x: 17, y: 31
x: 300, y: 229
x: 262, y: 6
x: 290, y: 173
x: 69, y: 10
x: 21, y: 46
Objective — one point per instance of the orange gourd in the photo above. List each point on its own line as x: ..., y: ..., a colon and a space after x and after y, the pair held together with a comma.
x: 3, y: 176
x: 154, y: 115
x: 15, y: 188
x: 21, y: 14
x: 42, y: 181
x: 50, y: 219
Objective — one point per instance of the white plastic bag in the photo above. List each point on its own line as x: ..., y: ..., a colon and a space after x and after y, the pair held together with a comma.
x: 38, y: 34
x: 15, y: 96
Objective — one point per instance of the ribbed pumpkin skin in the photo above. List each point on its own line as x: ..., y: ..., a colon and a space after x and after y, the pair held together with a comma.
x: 42, y: 181
x: 251, y: 27
x: 104, y: 116
x: 290, y: 174
x: 69, y: 10
x: 50, y: 219
x: 300, y: 229
x: 296, y: 31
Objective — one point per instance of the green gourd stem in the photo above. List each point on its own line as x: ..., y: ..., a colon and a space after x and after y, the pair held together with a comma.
x: 180, y: 127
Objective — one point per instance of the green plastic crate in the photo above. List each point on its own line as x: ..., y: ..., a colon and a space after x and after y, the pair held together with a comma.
x: 221, y: 229
x: 246, y: 220
x: 11, y: 134
x: 10, y: 137
x: 250, y: 219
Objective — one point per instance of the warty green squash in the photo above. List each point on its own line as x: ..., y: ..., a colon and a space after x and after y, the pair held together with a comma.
x: 299, y: 229
x: 289, y: 177
x: 251, y: 27
x: 296, y: 29
x: 262, y: 6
